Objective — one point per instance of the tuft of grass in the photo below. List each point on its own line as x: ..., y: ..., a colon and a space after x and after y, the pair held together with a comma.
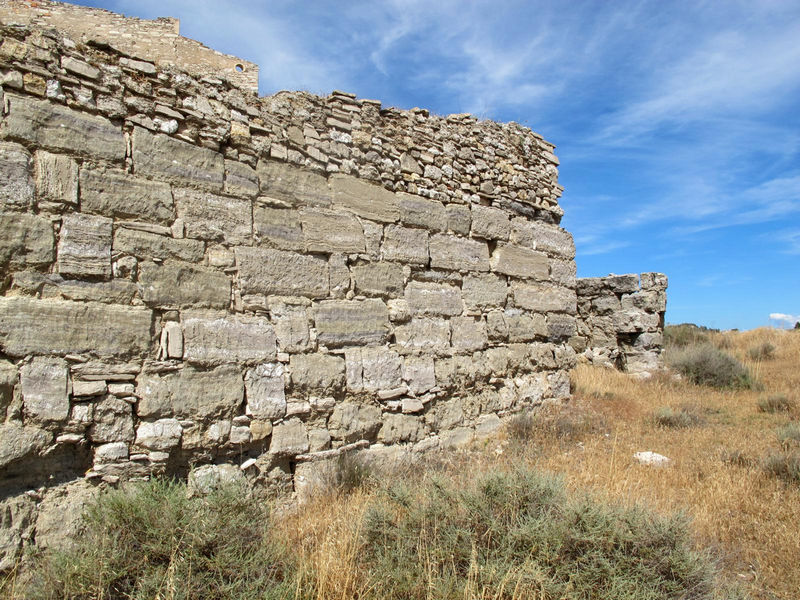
x: 350, y: 471
x: 150, y: 540
x: 517, y: 535
x: 686, y: 334
x: 521, y: 428
x: 784, y: 465
x: 775, y: 403
x: 789, y: 435
x: 671, y: 418
x: 763, y: 351
x: 707, y: 365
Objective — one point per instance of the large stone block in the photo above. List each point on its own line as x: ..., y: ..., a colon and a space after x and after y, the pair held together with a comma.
x: 25, y: 241
x: 160, y: 436
x: 399, y: 428
x: 289, y: 438
x: 190, y: 393
x: 147, y: 245
x: 29, y: 326
x: 524, y: 327
x: 622, y: 284
x: 264, y: 389
x: 543, y: 298
x: 425, y: 298
x: 278, y: 227
x: 291, y: 329
x: 8, y: 379
x: 293, y: 185
x: 177, y: 285
x: 112, y: 421
x: 381, y: 369
x: 468, y: 334
x: 403, y: 244
x: 52, y: 286
x: 215, y: 338
x: 489, y: 223
x: 328, y: 231
x: 317, y: 372
x: 458, y: 254
x: 351, y: 322
x: 267, y: 271
x: 422, y: 212
x: 429, y: 336
x: 365, y: 199
x: 561, y: 327
x: 16, y: 183
x: 61, y: 129
x: 84, y: 246
x: 351, y: 422
x: 18, y: 442
x: 240, y: 179
x: 484, y: 290
x: 56, y: 178
x: 419, y: 373
x: 214, y: 218
x: 654, y: 281
x: 459, y: 218
x: 520, y: 262
x: 649, y: 301
x: 632, y: 320
x: 544, y: 237
x: 44, y: 383
x: 168, y: 159
x: 379, y: 279
x: 114, y: 193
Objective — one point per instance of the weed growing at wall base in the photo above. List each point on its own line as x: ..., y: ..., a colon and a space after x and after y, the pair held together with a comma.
x: 705, y: 364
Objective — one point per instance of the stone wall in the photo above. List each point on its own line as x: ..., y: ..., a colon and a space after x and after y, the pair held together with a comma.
x: 191, y: 275
x: 621, y: 321
x: 158, y: 41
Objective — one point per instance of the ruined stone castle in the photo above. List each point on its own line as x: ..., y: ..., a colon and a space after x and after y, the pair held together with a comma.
x: 194, y: 275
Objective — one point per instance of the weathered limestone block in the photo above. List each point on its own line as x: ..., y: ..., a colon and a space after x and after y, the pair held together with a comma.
x: 381, y: 369
x: 56, y: 178
x: 58, y: 128
x: 468, y: 334
x: 423, y: 336
x: 267, y: 271
x: 561, y: 327
x: 29, y: 326
x: 178, y: 285
x: 146, y: 245
x: 168, y: 159
x: 88, y: 388
x: 403, y: 244
x: 490, y: 223
x: 544, y: 237
x: 563, y: 272
x: 364, y: 199
x: 399, y: 428
x: 214, y: 218
x: 264, y: 389
x: 339, y: 275
x: 354, y: 370
x: 605, y: 304
x: 590, y: 286
x: 113, y: 421
x: 8, y: 379
x: 317, y: 372
x: 84, y: 247
x: 111, y: 452
x: 102, y: 191
x: 484, y: 290
x: 25, y: 241
x: 351, y: 322
x: 293, y: 185
x: 422, y: 212
x: 278, y: 227
x: 433, y: 299
x: 496, y: 326
x: 213, y: 338
x: 54, y: 287
x: 654, y: 281
x: 632, y: 320
x: 524, y: 327
x: 240, y: 179
x: 289, y: 438
x: 161, y: 436
x: 459, y: 218
x: 622, y: 284
x: 520, y: 262
x: 543, y: 298
x: 18, y: 442
x: 206, y: 478
x: 458, y: 254
x: 44, y: 383
x: 650, y: 341
x: 379, y: 279
x: 291, y: 329
x: 419, y: 373
x: 190, y: 393
x: 16, y: 183
x: 351, y: 422
x: 328, y: 231
x: 649, y: 301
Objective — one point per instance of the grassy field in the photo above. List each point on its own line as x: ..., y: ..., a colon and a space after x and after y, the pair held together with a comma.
x: 553, y: 507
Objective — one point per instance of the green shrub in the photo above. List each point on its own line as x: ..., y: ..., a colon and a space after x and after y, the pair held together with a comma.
x: 785, y: 465
x: 705, y: 364
x: 789, y: 435
x: 150, y: 540
x: 676, y: 418
x: 517, y: 535
x: 763, y: 351
x: 775, y: 403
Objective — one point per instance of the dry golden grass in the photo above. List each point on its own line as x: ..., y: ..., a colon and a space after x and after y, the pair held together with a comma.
x: 749, y: 519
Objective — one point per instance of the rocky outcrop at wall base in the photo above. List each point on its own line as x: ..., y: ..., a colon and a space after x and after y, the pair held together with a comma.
x: 621, y: 321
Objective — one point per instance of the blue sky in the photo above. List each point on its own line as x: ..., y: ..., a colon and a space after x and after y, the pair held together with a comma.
x: 677, y: 123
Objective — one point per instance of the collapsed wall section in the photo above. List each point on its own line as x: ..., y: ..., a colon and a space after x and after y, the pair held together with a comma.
x: 192, y: 275
x: 621, y: 321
